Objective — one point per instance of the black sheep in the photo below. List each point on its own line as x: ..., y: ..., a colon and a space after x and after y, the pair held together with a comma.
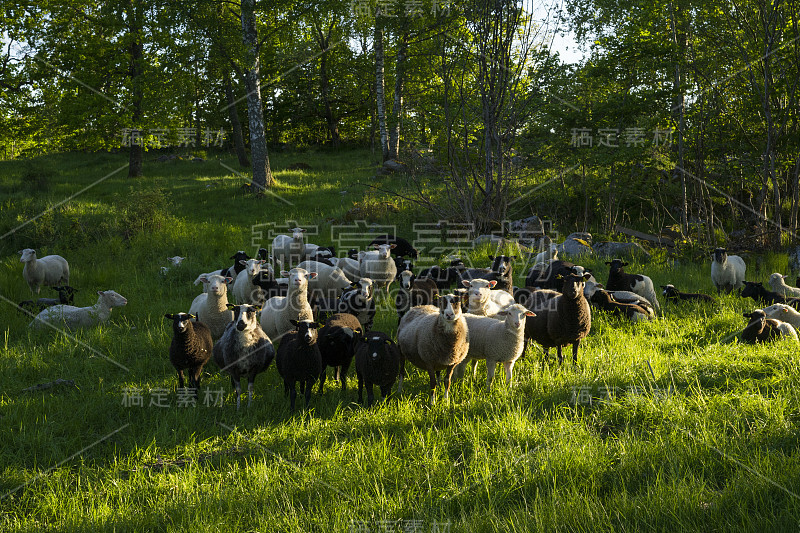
x: 757, y: 292
x: 445, y: 278
x: 66, y: 296
x: 552, y: 276
x: 237, y: 267
x: 403, y: 247
x: 674, y: 295
x: 605, y: 301
x: 501, y: 271
x: 190, y: 349
x: 377, y: 363
x: 337, y: 344
x: 299, y: 359
x: 760, y: 328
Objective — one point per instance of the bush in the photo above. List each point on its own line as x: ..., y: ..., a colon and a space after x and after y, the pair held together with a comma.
x: 143, y: 210
x: 36, y: 176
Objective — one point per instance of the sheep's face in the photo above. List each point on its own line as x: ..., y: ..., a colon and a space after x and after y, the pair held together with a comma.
x: 176, y: 260
x: 180, y: 321
x: 352, y: 253
x: 752, y: 289
x: 777, y: 279
x: 616, y: 265
x: 450, y: 307
x: 515, y: 315
x: 112, y: 299
x: 252, y: 266
x: 244, y: 316
x: 574, y: 285
x: 384, y: 250
x: 669, y: 291
x: 216, y: 284
x: 502, y: 263
x: 720, y: 255
x: 364, y: 287
x: 406, y: 279
x: 306, y: 331
x: 297, y: 234
x: 239, y: 256
x: 336, y: 337
x: 478, y: 290
x: 28, y: 254
x: 376, y: 346
x: 757, y: 317
x: 298, y: 277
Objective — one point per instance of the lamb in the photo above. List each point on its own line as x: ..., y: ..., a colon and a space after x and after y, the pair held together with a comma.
x: 378, y: 266
x: 243, y: 350
x: 50, y: 270
x: 175, y: 261
x: 288, y: 251
x: 413, y: 292
x: 244, y: 289
x: 401, y: 246
x: 501, y: 271
x: 211, y: 308
x: 359, y: 301
x: 434, y: 339
x: 329, y: 282
x: 763, y: 329
x: 377, y: 363
x: 784, y: 313
x: 299, y: 359
x: 566, y: 320
x: 605, y: 301
x: 757, y: 292
x: 337, y: 345
x: 80, y: 317
x: 482, y: 300
x: 66, y: 296
x: 619, y: 280
x: 190, y: 349
x: 497, y: 341
x: 279, y: 311
x: 778, y: 284
x: 727, y: 271
x: 674, y: 295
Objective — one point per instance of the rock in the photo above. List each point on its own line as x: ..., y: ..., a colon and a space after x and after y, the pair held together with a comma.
x: 574, y: 247
x: 582, y: 235
x: 794, y: 259
x: 490, y: 239
x: 393, y: 166
x: 529, y: 227
x: 621, y: 250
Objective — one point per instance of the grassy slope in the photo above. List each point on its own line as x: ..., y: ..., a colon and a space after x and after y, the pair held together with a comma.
x: 719, y: 453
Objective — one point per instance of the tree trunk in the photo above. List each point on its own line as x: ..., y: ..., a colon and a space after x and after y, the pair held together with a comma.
x: 323, y: 41
x: 680, y: 41
x: 397, y: 107
x: 379, y: 93
x: 769, y: 149
x: 236, y: 125
x: 262, y: 174
x: 136, y: 73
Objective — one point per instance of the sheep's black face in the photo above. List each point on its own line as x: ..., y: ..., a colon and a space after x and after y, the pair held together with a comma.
x: 376, y: 347
x: 751, y: 289
x: 180, y: 321
x: 720, y: 255
x: 337, y: 337
x: 670, y: 291
x: 616, y: 265
x: 502, y: 264
x: 245, y: 317
x: 574, y: 284
x: 307, y: 331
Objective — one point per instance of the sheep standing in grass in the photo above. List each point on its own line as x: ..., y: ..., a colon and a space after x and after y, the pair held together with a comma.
x: 245, y: 289
x: 50, y: 270
x: 211, y: 308
x: 279, y: 311
x: 379, y: 266
x: 496, y: 341
x: 66, y: 296
x: 377, y: 363
x: 482, y: 300
x: 329, y: 282
x: 337, y: 345
x: 359, y: 301
x: 299, y: 359
x: 619, y: 280
x: 350, y: 267
x: 434, y: 339
x: 243, y: 350
x: 413, y: 292
x: 566, y: 319
x: 444, y: 277
x: 288, y: 251
x: 190, y: 349
x: 763, y: 329
x: 778, y: 284
x: 80, y: 317
x: 401, y: 246
x: 727, y: 271
x: 549, y: 277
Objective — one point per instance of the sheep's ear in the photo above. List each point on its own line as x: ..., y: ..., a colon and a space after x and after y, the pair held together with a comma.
x: 466, y: 283
x: 436, y: 297
x: 242, y: 262
x: 392, y: 247
x: 169, y: 316
x: 285, y: 273
x: 312, y: 275
x: 295, y: 323
x: 491, y: 258
x: 99, y: 293
x: 203, y: 279
x: 608, y: 262
x: 586, y: 276
x: 530, y: 313
x: 228, y: 279
x: 492, y: 284
x: 193, y: 317
x: 230, y: 305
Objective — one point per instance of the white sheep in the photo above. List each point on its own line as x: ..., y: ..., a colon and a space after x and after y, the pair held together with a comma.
x: 329, y: 282
x: 350, y: 267
x: 543, y: 259
x: 175, y: 261
x: 80, y: 317
x: 784, y: 313
x: 288, y: 250
x: 778, y: 283
x: 378, y: 265
x: 483, y: 301
x: 211, y: 308
x: 278, y: 311
x: 50, y: 270
x: 244, y: 290
x: 497, y: 341
x: 727, y: 271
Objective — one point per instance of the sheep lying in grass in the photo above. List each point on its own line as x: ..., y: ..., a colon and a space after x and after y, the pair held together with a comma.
x: 279, y: 311
x: 66, y: 296
x: 434, y: 339
x: 624, y: 297
x: 482, y: 300
x: 299, y: 359
x: 757, y: 291
x: 190, y: 349
x: 496, y: 341
x: 605, y: 301
x: 211, y: 308
x: 763, y: 329
x: 567, y: 319
x: 243, y: 350
x: 778, y: 284
x: 783, y: 313
x: 727, y: 271
x: 619, y: 280
x: 337, y: 345
x: 80, y: 317
x: 377, y: 363
x: 50, y: 270
x: 674, y: 295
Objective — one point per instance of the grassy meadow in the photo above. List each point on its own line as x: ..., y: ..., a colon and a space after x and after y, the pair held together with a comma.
x: 667, y: 426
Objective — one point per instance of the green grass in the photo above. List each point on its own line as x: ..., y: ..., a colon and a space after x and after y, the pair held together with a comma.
x: 699, y: 432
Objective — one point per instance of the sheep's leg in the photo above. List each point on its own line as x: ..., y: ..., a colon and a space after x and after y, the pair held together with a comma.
x: 342, y: 370
x: 491, y: 366
x: 360, y: 388
x: 575, y: 346
x: 370, y: 394
x: 180, y: 379
x: 560, y: 355
x: 292, y: 393
x: 309, y: 388
x: 386, y: 392
x: 250, y: 392
x: 508, y: 366
x: 238, y: 388
x: 546, y: 356
x: 475, y: 367
x: 448, y: 374
x: 432, y: 376
x: 322, y: 377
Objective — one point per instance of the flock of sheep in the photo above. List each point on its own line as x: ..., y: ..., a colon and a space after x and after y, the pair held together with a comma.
x: 320, y: 312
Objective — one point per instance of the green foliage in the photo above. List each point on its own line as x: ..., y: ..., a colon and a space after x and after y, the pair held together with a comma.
x: 144, y: 211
